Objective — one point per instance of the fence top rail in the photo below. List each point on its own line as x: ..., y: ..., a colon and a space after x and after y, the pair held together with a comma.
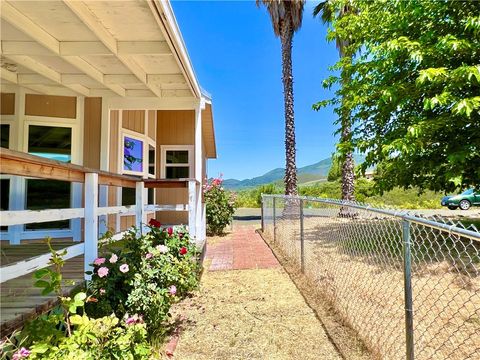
x: 439, y: 223
x: 168, y: 183
x: 23, y: 164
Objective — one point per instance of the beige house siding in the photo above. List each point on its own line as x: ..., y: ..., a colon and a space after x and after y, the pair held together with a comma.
x: 152, y: 121
x: 7, y: 104
x: 134, y: 120
x: 91, y: 131
x: 113, y: 164
x: 52, y: 106
x: 174, y: 127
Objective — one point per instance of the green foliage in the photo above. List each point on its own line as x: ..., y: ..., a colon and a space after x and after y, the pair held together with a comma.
x: 220, y: 206
x: 365, y: 191
x: 67, y: 333
x: 253, y: 198
x: 411, y: 83
x: 140, y: 277
x: 335, y: 171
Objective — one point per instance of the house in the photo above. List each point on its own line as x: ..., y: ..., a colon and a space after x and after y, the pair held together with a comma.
x: 102, y: 116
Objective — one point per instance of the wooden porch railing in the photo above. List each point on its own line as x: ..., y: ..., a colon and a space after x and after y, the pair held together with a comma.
x: 22, y: 164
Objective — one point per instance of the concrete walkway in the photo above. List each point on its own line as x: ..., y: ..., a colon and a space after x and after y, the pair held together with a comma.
x: 248, y: 307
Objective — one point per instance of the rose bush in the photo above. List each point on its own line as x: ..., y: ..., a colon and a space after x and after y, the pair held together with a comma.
x: 139, y: 277
x: 220, y: 206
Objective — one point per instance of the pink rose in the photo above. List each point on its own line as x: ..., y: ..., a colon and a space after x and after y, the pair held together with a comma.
x: 98, y: 261
x: 135, y: 319
x: 113, y: 258
x: 149, y: 255
x: 172, y: 290
x: 162, y: 249
x: 124, y: 268
x: 102, y: 272
x: 102, y: 291
x: 21, y: 354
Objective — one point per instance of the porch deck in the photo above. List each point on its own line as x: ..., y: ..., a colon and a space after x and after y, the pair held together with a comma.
x: 20, y: 299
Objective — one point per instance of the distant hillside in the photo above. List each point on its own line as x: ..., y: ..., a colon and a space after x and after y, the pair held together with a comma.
x: 309, y: 173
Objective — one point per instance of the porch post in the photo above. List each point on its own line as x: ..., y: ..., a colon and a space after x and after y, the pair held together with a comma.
x: 91, y: 221
x: 140, y: 214
x: 199, y: 172
x: 16, y: 202
x: 191, y: 208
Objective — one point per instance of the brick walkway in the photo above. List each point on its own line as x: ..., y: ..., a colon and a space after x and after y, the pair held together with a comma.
x: 244, y: 249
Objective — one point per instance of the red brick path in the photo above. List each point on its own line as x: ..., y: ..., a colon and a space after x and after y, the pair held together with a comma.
x: 244, y: 249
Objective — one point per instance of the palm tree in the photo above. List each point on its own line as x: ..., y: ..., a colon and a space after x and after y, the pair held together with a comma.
x: 286, y: 18
x: 328, y: 12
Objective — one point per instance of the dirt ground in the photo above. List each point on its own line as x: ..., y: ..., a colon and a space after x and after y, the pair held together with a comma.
x: 250, y: 314
x: 365, y: 287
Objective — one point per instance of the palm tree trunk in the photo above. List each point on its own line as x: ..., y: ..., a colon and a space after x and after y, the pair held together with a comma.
x: 287, y: 78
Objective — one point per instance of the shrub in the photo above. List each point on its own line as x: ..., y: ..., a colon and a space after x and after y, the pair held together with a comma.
x: 220, y: 206
x: 67, y: 333
x: 146, y: 276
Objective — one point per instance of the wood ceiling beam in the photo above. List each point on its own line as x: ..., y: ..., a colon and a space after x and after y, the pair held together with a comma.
x: 47, y: 72
x: 92, y: 22
x: 24, y: 24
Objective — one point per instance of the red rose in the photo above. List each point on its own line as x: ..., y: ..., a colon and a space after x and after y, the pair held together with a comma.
x: 183, y: 250
x: 154, y: 223
x: 170, y: 231
x: 180, y: 235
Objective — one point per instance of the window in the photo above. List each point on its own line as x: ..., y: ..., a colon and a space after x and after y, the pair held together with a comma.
x: 55, y: 143
x: 128, y: 196
x: 47, y: 194
x: 132, y: 155
x: 51, y: 142
x: 151, y: 160
x: 5, y: 135
x: 150, y: 196
x: 5, y: 197
x: 177, y: 162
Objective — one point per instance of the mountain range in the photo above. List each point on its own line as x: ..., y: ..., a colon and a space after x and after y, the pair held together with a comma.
x: 313, y: 172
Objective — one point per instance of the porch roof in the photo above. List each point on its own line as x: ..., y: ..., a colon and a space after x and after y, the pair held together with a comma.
x: 109, y: 48
x: 116, y: 49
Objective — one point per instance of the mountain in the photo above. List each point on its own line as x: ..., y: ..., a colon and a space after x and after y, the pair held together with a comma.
x: 317, y: 171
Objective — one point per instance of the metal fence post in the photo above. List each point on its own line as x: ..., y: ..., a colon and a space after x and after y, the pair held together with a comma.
x: 302, y: 239
x: 407, y: 272
x: 261, y: 214
x: 274, y: 220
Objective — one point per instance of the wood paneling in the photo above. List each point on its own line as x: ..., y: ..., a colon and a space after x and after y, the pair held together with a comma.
x: 113, y: 165
x: 174, y: 127
x: 7, y: 104
x: 92, y: 130
x: 52, y: 106
x: 114, y: 146
x: 172, y: 197
x: 126, y: 222
x: 152, y: 120
x: 134, y: 120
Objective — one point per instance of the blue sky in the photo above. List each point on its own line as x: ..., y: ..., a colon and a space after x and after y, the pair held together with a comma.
x: 237, y: 59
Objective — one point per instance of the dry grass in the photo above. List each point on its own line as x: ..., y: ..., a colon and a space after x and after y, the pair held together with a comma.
x: 368, y: 293
x: 250, y: 314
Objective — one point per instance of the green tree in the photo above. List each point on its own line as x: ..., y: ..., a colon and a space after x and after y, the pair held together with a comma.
x: 329, y: 10
x: 413, y: 93
x: 286, y: 18
x: 335, y: 171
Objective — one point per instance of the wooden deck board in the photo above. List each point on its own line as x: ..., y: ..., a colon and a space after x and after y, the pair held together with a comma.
x: 19, y: 299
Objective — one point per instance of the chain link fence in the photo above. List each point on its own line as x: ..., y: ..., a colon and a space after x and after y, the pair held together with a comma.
x: 408, y: 285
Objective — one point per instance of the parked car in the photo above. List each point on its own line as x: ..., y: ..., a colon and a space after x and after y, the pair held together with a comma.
x: 464, y: 201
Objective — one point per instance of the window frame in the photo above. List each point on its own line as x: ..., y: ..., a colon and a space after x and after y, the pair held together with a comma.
x: 135, y: 136
x: 164, y: 165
